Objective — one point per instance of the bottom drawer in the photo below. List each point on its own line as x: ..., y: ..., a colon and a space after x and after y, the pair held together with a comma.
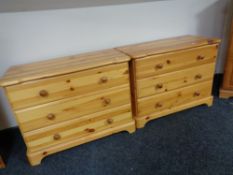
x: 77, y: 128
x: 173, y: 99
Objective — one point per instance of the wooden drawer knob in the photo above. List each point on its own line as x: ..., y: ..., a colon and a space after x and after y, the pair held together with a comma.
x: 198, y: 77
x: 159, y: 86
x: 158, y: 105
x: 90, y: 130
x: 159, y: 66
x: 57, y: 137
x: 196, y: 94
x: 200, y: 57
x: 168, y: 61
x: 109, y: 121
x: 51, y: 116
x: 106, y: 101
x: 43, y: 93
x: 103, y: 79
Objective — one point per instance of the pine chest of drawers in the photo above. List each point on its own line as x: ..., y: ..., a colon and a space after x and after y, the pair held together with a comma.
x: 69, y: 101
x: 171, y: 75
x: 65, y: 102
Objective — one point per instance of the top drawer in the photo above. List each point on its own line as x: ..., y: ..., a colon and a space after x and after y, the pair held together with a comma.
x: 159, y: 64
x: 79, y: 83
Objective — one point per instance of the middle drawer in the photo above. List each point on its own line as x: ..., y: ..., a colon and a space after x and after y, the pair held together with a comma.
x: 170, y: 81
x: 62, y: 110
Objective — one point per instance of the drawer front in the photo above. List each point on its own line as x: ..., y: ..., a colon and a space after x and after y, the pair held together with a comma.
x: 51, y: 89
x: 159, y: 64
x: 170, y: 81
x: 78, y: 128
x: 169, y: 100
x: 54, y: 112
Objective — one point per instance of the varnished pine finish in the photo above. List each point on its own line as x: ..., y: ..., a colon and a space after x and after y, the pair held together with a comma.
x: 171, y: 75
x: 66, y: 102
x: 227, y: 86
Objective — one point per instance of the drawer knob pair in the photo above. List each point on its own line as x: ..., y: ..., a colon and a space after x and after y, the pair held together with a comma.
x: 158, y: 105
x: 43, y: 93
x: 103, y: 80
x: 57, y: 137
x: 158, y: 66
x: 106, y: 101
x: 198, y: 77
x: 200, y: 57
x: 51, y: 116
x: 196, y: 94
x: 90, y: 130
x: 109, y: 121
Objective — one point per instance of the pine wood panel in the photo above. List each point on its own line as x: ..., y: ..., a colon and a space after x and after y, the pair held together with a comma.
x: 226, y: 90
x: 166, y: 82
x: 159, y: 64
x: 54, y: 112
x: 77, y: 128
x: 166, y: 45
x: 59, y: 66
x: 169, y: 100
x: 60, y: 87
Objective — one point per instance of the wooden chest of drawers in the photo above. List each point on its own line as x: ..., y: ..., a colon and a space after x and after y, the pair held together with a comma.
x: 171, y: 75
x: 68, y: 101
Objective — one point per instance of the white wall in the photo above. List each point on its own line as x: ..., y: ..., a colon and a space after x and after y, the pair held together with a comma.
x: 33, y: 36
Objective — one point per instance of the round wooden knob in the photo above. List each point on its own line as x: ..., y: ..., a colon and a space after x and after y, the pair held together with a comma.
x: 159, y: 66
x: 103, y: 79
x: 109, y: 121
x: 168, y: 61
x: 43, y: 93
x: 158, y: 105
x: 159, y: 86
x: 51, y: 116
x: 200, y: 57
x: 57, y: 137
x: 196, y: 94
x: 90, y: 130
x: 198, y: 76
x: 106, y: 101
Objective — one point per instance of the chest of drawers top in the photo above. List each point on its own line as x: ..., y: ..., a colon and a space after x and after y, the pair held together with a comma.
x: 162, y: 46
x: 60, y: 66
